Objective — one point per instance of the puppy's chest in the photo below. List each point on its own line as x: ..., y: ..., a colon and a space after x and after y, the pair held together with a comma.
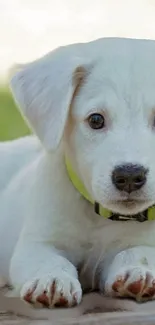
x: 80, y: 239
x: 80, y: 230
x: 75, y: 239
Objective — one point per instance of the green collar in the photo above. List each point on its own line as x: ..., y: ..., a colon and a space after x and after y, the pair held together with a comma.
x: 148, y: 214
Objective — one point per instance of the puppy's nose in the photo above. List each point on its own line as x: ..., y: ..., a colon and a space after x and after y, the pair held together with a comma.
x: 129, y: 177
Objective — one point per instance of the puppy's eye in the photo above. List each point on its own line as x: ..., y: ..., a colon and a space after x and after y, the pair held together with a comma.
x: 96, y: 121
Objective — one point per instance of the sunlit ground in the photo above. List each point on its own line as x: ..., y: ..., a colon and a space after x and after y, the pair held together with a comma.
x: 30, y: 28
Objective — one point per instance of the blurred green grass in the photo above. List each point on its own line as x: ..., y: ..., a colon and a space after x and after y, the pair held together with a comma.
x: 12, y: 124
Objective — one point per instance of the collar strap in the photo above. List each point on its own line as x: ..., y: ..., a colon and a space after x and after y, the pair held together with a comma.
x: 148, y: 214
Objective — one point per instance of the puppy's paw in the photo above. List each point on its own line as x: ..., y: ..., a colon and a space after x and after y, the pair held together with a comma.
x: 135, y: 282
x: 53, y: 290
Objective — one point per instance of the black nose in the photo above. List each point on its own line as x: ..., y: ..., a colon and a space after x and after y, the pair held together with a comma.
x: 129, y: 177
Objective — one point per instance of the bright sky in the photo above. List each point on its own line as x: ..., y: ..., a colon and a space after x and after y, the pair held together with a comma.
x: 30, y: 28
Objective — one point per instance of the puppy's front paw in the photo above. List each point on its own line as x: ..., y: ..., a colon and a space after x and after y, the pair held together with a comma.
x: 135, y: 282
x: 53, y: 290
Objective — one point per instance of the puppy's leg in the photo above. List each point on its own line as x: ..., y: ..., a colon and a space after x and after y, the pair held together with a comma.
x: 131, y: 274
x: 44, y: 276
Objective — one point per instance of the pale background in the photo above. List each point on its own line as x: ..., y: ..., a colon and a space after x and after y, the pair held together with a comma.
x: 30, y: 28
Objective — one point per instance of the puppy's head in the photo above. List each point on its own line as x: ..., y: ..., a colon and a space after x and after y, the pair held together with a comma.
x: 99, y: 99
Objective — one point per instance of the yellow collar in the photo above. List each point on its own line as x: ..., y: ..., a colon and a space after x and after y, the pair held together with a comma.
x: 149, y: 214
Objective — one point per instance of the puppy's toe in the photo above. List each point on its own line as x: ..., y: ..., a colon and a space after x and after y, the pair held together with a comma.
x: 135, y: 282
x: 53, y: 291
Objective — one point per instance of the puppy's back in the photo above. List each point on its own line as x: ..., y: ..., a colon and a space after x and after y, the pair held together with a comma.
x: 16, y: 154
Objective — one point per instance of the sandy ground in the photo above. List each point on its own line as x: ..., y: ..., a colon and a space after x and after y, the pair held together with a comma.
x: 93, y: 310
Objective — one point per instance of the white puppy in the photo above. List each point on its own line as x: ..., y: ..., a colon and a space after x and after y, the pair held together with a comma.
x: 93, y: 106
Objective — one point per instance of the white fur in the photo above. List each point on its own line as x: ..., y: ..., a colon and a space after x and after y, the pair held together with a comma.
x: 47, y: 229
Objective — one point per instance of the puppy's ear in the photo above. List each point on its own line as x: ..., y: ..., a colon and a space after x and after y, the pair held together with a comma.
x: 44, y: 91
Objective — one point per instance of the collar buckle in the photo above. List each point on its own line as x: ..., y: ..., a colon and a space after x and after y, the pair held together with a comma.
x: 140, y: 217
